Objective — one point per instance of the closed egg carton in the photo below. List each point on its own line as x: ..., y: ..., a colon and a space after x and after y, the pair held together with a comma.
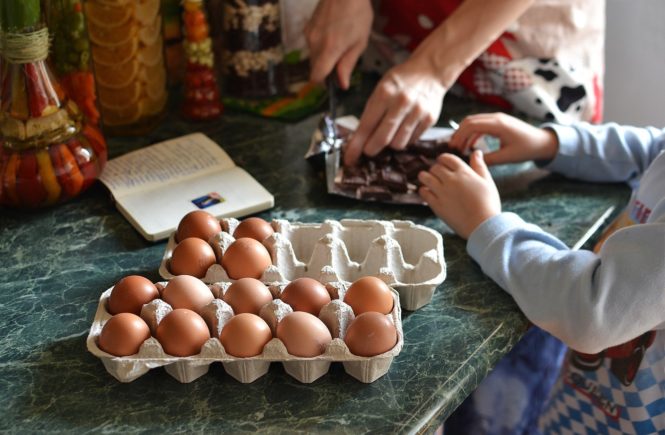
x: 407, y: 256
x: 337, y: 315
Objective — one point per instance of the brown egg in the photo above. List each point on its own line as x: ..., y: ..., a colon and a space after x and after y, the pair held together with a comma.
x: 306, y: 294
x: 246, y: 258
x: 198, y: 223
x: 123, y: 334
x: 369, y: 294
x: 371, y: 334
x: 130, y: 293
x: 247, y: 295
x: 182, y: 332
x: 192, y: 256
x: 254, y: 228
x: 303, y: 334
x: 245, y: 335
x: 186, y: 291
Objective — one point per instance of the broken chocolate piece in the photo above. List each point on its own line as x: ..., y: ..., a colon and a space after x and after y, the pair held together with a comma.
x: 377, y: 193
x: 427, y: 148
x: 395, y: 181
x: 413, y: 167
x: 353, y: 177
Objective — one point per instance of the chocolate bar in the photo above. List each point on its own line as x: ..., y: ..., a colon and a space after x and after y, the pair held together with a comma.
x: 391, y: 172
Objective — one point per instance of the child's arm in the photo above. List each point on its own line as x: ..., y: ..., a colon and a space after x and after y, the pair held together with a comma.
x: 588, y: 152
x: 568, y: 293
x: 590, y: 301
x: 608, y: 152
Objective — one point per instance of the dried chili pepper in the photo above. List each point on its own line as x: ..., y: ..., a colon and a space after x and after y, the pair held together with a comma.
x: 37, y: 97
x: 29, y: 185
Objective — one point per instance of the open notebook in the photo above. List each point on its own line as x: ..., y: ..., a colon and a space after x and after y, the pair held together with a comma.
x: 154, y: 187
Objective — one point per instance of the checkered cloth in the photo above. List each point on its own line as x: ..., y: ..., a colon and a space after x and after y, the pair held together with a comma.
x: 596, y: 402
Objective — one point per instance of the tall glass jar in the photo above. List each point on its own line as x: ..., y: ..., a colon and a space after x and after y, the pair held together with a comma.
x: 253, y: 63
x: 127, y: 52
x: 49, y: 152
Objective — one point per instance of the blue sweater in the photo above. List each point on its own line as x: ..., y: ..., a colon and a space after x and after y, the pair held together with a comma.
x: 609, y: 307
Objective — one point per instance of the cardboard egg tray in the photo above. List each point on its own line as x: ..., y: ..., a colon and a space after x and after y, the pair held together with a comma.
x: 408, y: 257
x: 337, y: 315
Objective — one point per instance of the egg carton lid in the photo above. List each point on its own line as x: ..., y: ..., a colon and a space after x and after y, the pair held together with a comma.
x: 187, y: 369
x: 407, y: 256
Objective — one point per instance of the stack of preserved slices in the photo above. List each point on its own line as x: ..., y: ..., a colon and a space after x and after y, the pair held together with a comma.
x: 127, y: 50
x: 49, y: 151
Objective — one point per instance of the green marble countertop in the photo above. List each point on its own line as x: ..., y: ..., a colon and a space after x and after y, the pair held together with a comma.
x: 55, y: 263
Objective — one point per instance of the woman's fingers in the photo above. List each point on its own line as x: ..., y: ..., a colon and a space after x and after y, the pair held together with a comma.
x: 403, y: 136
x: 385, y: 131
x: 369, y: 121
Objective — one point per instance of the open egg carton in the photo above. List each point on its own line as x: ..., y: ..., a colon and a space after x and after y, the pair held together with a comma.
x: 407, y: 256
x: 336, y: 315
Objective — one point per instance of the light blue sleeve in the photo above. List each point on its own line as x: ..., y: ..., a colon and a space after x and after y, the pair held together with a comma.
x: 605, y: 153
x: 590, y: 301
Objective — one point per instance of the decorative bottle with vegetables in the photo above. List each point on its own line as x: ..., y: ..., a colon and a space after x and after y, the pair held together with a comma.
x: 49, y: 151
x: 70, y: 54
x: 202, y: 99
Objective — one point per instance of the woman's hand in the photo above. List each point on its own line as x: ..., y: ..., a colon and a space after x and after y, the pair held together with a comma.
x: 519, y: 141
x: 405, y: 103
x: 337, y: 34
x: 463, y: 196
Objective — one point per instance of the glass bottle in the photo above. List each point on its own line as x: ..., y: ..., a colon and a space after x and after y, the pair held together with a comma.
x: 49, y: 152
x: 202, y: 99
x: 253, y: 64
x: 130, y: 73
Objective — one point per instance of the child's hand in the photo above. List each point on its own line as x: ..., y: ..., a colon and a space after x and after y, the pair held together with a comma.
x: 519, y: 141
x: 462, y: 196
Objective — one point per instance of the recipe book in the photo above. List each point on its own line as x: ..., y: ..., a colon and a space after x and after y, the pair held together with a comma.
x: 154, y: 187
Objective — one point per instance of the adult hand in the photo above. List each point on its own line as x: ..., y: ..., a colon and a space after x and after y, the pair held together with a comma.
x: 337, y: 34
x: 519, y: 141
x: 406, y: 102
x: 463, y: 196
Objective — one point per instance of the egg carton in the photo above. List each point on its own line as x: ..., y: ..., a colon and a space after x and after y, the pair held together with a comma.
x: 408, y: 257
x: 337, y: 315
